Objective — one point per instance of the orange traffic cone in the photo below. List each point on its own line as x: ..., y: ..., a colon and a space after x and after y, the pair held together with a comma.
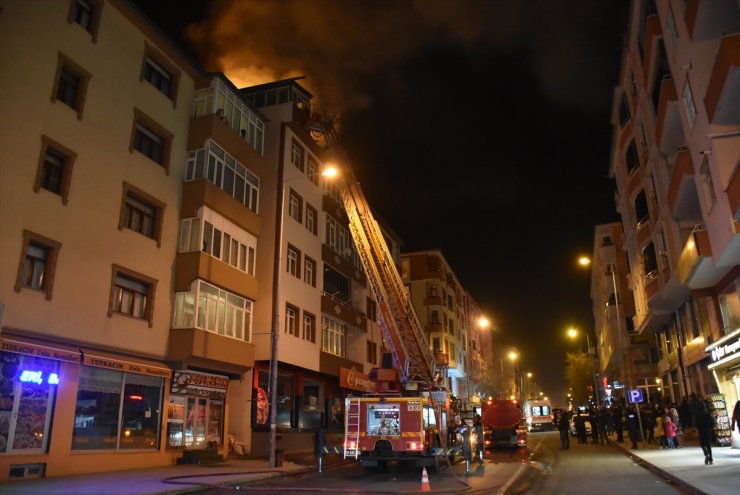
x: 425, y: 487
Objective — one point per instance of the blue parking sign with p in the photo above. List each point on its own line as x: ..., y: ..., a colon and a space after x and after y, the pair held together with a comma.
x: 635, y: 395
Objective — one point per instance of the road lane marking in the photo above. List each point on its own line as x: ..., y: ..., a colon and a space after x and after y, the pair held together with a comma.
x: 519, y: 471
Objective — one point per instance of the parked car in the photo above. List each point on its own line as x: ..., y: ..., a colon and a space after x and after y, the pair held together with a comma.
x: 573, y: 426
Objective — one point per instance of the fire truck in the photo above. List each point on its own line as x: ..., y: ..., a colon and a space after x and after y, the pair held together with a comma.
x: 403, y: 420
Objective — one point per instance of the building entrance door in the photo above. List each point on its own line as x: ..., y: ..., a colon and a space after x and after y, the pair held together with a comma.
x: 195, y: 426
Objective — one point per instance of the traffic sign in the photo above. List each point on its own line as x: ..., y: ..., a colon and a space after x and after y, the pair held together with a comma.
x: 635, y: 395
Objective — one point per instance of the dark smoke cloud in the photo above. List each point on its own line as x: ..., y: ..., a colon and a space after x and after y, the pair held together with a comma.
x: 339, y: 44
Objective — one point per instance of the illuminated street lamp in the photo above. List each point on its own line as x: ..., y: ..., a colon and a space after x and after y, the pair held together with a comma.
x: 514, y: 357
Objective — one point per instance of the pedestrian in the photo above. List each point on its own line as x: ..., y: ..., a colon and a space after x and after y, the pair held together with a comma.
x: 633, y: 426
x: 705, y: 424
x: 564, y: 427
x: 618, y: 423
x: 478, y: 433
x: 736, y: 417
x: 677, y: 421
x: 593, y: 418
x: 603, y: 425
x: 580, y: 422
x: 670, y: 432
x: 660, y: 432
x: 650, y: 425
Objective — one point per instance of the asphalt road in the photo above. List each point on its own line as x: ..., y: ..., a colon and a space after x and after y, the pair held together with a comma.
x: 541, y: 468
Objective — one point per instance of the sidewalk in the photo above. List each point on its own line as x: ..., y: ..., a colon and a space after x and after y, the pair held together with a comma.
x: 685, y: 466
x: 168, y: 480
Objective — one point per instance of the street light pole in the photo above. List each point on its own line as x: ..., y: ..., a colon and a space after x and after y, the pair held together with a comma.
x: 277, y: 270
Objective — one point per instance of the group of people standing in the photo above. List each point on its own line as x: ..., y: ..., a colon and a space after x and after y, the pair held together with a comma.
x: 657, y: 423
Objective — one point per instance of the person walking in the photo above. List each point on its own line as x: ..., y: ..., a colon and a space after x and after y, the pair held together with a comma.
x: 650, y: 424
x: 705, y: 424
x: 580, y: 422
x: 736, y: 417
x: 593, y: 418
x: 564, y: 427
x: 618, y: 423
x: 673, y: 412
x: 660, y: 431
x: 670, y: 431
x: 633, y: 426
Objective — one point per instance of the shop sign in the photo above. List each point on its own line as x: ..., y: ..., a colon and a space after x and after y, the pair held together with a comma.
x: 39, y: 351
x: 196, y: 383
x: 125, y: 366
x: 724, y: 349
x: 355, y: 380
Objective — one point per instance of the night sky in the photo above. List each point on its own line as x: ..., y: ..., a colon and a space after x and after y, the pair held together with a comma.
x: 477, y: 127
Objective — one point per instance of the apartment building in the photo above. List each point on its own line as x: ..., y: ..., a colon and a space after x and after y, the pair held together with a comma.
x: 675, y: 156
x: 92, y: 159
x: 450, y: 317
x: 325, y: 314
x: 625, y: 362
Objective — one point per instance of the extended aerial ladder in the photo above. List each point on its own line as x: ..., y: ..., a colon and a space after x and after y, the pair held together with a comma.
x: 401, y: 328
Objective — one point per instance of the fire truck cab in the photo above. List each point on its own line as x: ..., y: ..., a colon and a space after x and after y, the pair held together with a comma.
x: 379, y: 429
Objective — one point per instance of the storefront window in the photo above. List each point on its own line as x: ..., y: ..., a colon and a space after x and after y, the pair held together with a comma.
x: 313, y: 405
x: 284, y: 397
x: 27, y: 387
x: 113, y: 406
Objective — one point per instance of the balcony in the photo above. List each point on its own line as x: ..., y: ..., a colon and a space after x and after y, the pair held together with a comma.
x: 330, y: 364
x: 343, y: 265
x: 433, y: 301
x: 652, y: 33
x: 433, y: 326
x: 199, y: 265
x: 442, y: 359
x: 723, y: 91
x: 668, y: 130
x: 683, y: 199
x: 201, y: 192
x: 202, y: 348
x: 344, y: 312
x: 710, y: 19
x: 696, y: 268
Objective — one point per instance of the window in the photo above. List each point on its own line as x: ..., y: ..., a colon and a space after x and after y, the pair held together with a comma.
x: 372, y: 352
x: 729, y: 305
x: 309, y: 327
x: 432, y: 264
x: 215, y: 310
x: 291, y: 320
x: 433, y: 290
x: 70, y: 84
x: 371, y: 310
x: 707, y: 185
x: 642, y: 214
x: 336, y: 285
x: 116, y: 410
x: 141, y: 213
x: 649, y: 261
x: 160, y: 73
x: 309, y: 271
x: 294, y: 261
x: 86, y: 13
x: 296, y: 155
x: 54, y: 172
x: 132, y: 294
x: 221, y: 169
x: 219, y: 238
x: 688, y: 103
x: 311, y: 219
x: 311, y: 170
x: 332, y: 336
x: 632, y: 159
x: 151, y: 139
x: 295, y: 206
x: 434, y: 316
x: 37, y: 264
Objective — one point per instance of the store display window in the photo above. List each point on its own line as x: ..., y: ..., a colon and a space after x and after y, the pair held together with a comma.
x: 116, y: 410
x: 27, y: 390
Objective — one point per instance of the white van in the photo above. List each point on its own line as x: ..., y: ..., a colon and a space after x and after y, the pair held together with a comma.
x: 538, y: 414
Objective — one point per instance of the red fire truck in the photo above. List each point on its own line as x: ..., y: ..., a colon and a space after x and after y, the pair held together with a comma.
x: 403, y: 420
